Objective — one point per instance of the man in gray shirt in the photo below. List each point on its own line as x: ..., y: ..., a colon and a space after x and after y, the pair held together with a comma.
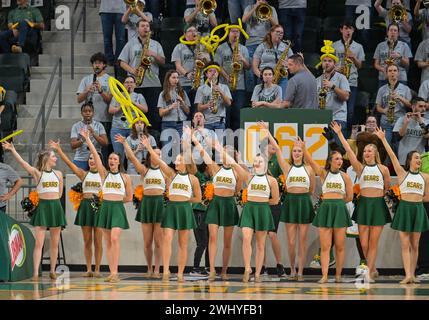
x: 292, y: 18
x: 130, y: 60
x: 422, y: 59
x: 111, y: 12
x: 8, y: 176
x: 301, y: 91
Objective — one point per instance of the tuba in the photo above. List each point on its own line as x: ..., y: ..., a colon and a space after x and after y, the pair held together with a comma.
x: 236, y: 66
x: 145, y: 62
x: 397, y: 13
x: 391, y: 104
x: 280, y: 71
x: 263, y: 12
x: 208, y: 6
x: 323, y: 93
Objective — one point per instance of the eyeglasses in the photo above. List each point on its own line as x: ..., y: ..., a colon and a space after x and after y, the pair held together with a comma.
x: 278, y: 32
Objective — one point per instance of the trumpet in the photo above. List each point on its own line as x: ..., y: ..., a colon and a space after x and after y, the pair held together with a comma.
x: 208, y: 6
x: 397, y: 13
x: 263, y: 12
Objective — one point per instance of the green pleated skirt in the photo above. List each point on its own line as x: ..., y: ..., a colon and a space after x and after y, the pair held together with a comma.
x: 151, y: 209
x: 257, y: 216
x: 297, y: 208
x: 85, y: 216
x: 371, y: 212
x: 111, y: 215
x: 179, y: 216
x: 48, y: 213
x: 332, y: 213
x: 222, y: 211
x: 410, y: 217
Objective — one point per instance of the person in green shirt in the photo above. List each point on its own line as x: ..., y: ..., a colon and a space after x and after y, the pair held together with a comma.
x: 23, y: 24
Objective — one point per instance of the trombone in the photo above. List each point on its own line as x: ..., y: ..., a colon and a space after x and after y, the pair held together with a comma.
x: 263, y: 12
x: 208, y: 6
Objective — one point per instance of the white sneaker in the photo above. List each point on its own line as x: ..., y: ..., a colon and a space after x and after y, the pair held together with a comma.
x: 423, y: 276
x: 315, y: 263
x: 361, y: 269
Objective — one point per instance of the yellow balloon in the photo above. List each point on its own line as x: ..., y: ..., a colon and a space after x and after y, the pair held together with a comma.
x: 11, y: 135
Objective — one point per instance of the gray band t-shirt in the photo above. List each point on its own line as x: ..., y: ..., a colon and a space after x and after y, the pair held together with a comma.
x: 289, y: 4
x: 175, y: 114
x: 267, y: 94
x: 269, y: 57
x: 383, y: 98
x: 382, y: 53
x: 301, y: 91
x: 256, y: 29
x: 116, y: 119
x: 357, y: 50
x: 204, y: 95
x: 82, y: 153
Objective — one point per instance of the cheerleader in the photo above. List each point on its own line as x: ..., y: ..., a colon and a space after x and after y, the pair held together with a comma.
x: 410, y: 218
x: 85, y: 217
x: 183, y: 189
x: 111, y: 217
x: 49, y: 213
x: 151, y: 209
x: 297, y: 209
x: 256, y: 217
x: 371, y: 213
x: 332, y: 217
x: 222, y: 210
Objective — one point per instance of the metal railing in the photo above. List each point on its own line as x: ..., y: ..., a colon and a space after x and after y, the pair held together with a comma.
x: 74, y: 26
x: 42, y: 115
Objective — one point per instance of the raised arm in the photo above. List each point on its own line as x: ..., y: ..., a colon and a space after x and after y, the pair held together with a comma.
x: 187, y: 150
x: 213, y: 167
x: 318, y: 170
x: 243, y: 174
x: 396, y: 165
x: 77, y: 171
x: 140, y: 168
x: 99, y: 164
x: 27, y: 167
x: 169, y: 172
x: 357, y: 166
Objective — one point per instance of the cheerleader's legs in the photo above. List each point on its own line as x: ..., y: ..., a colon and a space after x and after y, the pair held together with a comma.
x: 37, y: 253
x: 183, y: 252
x: 87, y: 247
x: 325, y: 235
x: 405, y: 238
x: 148, y: 234
x: 415, y: 238
x: 302, y: 248
x: 116, y: 249
x: 55, y: 240
x: 261, y: 236
x: 166, y: 249
x: 247, y: 248
x: 108, y: 242
x: 291, y: 232
x: 157, y: 236
x: 98, y: 248
x: 213, y: 230
x: 369, y: 242
x: 227, y: 246
x: 340, y: 244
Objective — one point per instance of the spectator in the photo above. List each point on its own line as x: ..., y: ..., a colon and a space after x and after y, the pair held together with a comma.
x: 269, y: 52
x: 130, y: 60
x: 257, y: 30
x: 132, y: 17
x: 393, y: 49
x: 24, y: 22
x: 111, y: 12
x: 203, y: 22
x: 292, y: 18
x: 138, y: 130
x: 301, y: 91
x: 422, y: 16
x: 120, y: 124
x: 225, y: 58
x: 9, y: 178
x: 421, y: 58
x: 267, y: 94
x: 396, y: 92
x: 97, y: 134
x: 356, y: 54
x: 201, y: 133
x: 213, y: 98
x: 406, y: 4
x: 95, y: 88
x: 352, y: 15
x: 184, y: 57
x: 405, y: 26
x: 173, y: 103
x: 424, y: 93
x: 236, y: 9
x: 412, y: 130
x: 337, y: 86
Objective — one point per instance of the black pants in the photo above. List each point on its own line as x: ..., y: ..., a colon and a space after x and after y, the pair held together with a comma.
x: 423, y: 259
x: 201, y: 234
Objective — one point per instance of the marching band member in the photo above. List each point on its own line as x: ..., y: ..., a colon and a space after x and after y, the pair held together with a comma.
x: 49, y: 213
x: 410, y: 218
x: 197, y: 16
x: 371, y: 212
x: 85, y: 217
x: 132, y: 16
x: 111, y: 216
x: 267, y: 94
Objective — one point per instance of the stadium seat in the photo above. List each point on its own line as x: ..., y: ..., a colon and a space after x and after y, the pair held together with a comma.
x: 313, y: 8
x: 334, y: 8
x: 12, y: 78
x: 21, y: 60
x: 168, y: 41
x: 176, y: 23
x: 368, y: 80
x: 331, y: 34
x: 361, y: 105
x: 312, y: 23
x: 377, y: 36
x: 310, y: 41
x: 332, y: 22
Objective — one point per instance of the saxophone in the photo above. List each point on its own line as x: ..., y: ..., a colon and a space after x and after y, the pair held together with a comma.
x: 323, y: 92
x: 145, y: 62
x: 215, y: 98
x: 280, y: 71
x: 236, y: 66
x: 198, y: 66
x: 389, y: 61
x: 391, y: 104
x: 347, y: 62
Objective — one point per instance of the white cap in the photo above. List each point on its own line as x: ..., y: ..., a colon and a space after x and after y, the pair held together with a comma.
x: 144, y: 2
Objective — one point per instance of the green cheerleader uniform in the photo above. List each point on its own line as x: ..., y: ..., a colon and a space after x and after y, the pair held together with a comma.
x: 86, y: 215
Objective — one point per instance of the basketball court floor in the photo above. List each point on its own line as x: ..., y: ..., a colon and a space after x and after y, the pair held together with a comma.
x: 135, y: 286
